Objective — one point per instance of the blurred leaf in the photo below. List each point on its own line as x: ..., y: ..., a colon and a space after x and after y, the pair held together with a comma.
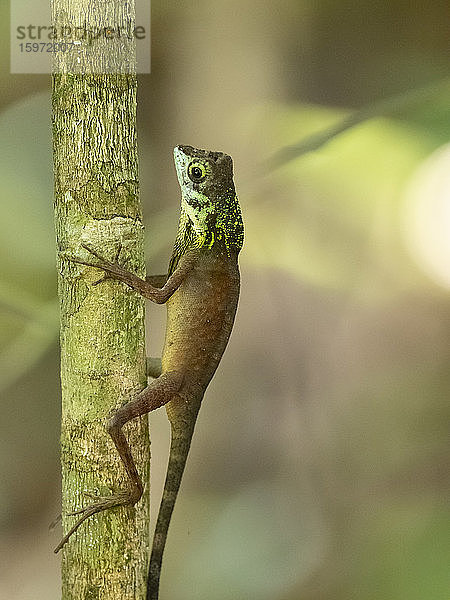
x: 27, y: 242
x: 385, y: 107
x: 27, y: 284
x: 332, y: 218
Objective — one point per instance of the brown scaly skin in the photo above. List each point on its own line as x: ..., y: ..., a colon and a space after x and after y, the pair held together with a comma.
x: 201, y: 293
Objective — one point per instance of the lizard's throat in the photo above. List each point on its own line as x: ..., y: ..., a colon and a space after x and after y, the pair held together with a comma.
x: 212, y: 226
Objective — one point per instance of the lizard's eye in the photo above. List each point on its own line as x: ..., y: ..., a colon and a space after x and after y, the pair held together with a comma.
x: 197, y: 172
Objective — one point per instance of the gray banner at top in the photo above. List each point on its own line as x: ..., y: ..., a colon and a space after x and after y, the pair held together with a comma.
x: 80, y: 37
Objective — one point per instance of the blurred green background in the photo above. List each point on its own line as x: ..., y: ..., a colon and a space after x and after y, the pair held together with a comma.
x: 320, y: 466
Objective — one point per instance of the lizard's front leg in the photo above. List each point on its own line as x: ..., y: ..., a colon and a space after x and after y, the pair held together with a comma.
x: 113, y: 270
x: 158, y: 393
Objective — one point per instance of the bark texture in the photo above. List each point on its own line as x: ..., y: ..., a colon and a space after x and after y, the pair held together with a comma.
x: 102, y: 327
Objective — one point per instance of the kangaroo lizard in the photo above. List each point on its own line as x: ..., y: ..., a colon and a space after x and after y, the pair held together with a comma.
x: 201, y: 292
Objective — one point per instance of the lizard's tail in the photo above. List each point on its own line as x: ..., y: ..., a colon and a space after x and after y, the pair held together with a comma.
x: 179, y: 449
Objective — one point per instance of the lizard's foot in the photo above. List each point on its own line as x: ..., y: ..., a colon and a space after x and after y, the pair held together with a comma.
x: 101, y: 503
x: 113, y: 270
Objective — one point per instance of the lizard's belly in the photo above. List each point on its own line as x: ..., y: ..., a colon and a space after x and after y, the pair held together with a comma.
x: 200, y: 317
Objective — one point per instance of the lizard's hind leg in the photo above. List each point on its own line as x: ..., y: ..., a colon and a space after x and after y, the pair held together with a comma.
x: 159, y: 392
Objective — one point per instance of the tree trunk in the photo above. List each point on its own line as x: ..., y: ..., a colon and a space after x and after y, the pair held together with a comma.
x: 102, y: 327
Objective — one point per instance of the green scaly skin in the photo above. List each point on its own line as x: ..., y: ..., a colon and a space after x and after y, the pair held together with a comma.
x: 201, y: 292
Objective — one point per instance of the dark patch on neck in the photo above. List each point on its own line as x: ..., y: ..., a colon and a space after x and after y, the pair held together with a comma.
x: 195, y: 203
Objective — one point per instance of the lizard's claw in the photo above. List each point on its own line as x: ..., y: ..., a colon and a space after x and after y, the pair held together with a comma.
x: 105, y: 277
x: 102, y: 263
x: 54, y: 523
x: 108, y: 274
x: 95, y: 253
x: 101, y: 503
x: 101, y: 258
x: 112, y: 270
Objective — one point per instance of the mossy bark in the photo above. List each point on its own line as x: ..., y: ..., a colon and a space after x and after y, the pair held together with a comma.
x: 102, y: 330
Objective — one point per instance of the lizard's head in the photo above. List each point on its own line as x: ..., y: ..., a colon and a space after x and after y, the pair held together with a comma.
x: 208, y: 196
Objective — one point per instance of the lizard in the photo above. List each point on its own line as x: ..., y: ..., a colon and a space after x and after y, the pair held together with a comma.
x: 201, y: 292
